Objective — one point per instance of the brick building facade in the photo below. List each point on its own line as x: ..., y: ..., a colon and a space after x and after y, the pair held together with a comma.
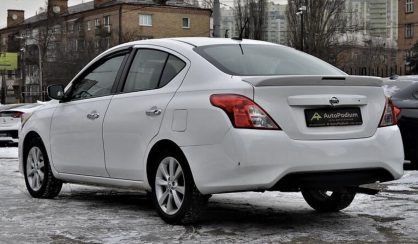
x: 407, y: 33
x: 63, y: 39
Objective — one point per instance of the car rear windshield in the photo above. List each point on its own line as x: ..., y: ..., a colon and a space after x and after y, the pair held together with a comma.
x: 398, y: 88
x: 264, y: 60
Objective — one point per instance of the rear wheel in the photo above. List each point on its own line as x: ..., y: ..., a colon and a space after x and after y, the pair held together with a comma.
x: 39, y: 179
x: 174, y: 194
x: 328, y: 201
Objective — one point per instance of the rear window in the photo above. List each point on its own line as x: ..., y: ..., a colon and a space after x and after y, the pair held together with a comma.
x: 398, y: 88
x: 264, y: 60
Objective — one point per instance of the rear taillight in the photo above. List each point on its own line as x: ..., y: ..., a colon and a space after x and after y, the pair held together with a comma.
x: 389, y: 114
x: 17, y: 114
x: 243, y: 112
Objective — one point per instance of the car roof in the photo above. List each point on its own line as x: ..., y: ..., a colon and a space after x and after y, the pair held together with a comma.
x: 195, y: 41
x: 204, y: 41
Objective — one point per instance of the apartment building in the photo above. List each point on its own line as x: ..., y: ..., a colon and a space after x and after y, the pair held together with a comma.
x: 275, y: 23
x: 54, y: 45
x: 407, y: 33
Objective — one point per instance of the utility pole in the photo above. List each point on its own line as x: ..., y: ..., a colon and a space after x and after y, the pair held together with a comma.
x: 39, y: 65
x: 40, y: 71
x: 300, y: 12
x: 3, y: 87
x: 216, y: 18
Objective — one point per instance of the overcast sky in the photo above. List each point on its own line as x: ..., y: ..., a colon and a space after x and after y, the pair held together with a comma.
x: 31, y: 6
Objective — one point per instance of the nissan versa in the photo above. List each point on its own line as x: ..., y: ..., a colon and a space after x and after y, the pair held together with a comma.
x: 184, y: 118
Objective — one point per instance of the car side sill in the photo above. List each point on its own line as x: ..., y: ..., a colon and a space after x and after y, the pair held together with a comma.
x: 102, y: 181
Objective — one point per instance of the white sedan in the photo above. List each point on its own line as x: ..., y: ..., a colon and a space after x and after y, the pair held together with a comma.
x: 10, y: 121
x: 184, y: 118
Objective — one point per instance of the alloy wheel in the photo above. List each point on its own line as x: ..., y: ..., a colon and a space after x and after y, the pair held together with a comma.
x: 35, y: 168
x: 170, y: 185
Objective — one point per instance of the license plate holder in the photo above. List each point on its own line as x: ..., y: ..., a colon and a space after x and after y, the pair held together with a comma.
x: 325, y: 117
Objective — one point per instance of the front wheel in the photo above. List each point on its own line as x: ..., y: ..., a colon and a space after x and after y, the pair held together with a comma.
x: 328, y: 201
x: 39, y: 179
x: 174, y: 194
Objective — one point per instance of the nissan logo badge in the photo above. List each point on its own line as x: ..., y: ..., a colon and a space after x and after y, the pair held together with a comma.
x: 334, y: 101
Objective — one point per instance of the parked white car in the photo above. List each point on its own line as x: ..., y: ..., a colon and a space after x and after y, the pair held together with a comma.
x: 10, y: 121
x: 184, y: 118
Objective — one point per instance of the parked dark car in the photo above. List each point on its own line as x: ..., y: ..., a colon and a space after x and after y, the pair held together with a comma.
x: 404, y: 94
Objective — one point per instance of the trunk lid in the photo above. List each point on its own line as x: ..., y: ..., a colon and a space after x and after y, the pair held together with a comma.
x: 7, y: 119
x: 315, y: 107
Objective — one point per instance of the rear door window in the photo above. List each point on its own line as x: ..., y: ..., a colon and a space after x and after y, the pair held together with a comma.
x: 173, y: 66
x: 152, y: 69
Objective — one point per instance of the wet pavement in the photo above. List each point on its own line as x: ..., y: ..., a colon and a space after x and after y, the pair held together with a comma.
x: 82, y: 214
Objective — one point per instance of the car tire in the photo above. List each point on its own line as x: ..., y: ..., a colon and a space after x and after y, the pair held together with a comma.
x: 324, y: 201
x: 174, y: 193
x: 39, y: 178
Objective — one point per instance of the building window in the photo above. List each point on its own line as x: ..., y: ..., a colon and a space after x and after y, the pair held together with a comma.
x: 76, y: 45
x: 57, y: 29
x: 88, y: 25
x: 106, y: 20
x: 186, y: 23
x: 97, y: 23
x: 409, y: 31
x: 409, y: 54
x: 409, y: 6
x: 106, y: 23
x: 145, y: 20
x: 70, y: 27
x: 79, y: 27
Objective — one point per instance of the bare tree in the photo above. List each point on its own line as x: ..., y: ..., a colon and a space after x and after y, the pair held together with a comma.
x: 132, y: 35
x: 324, y: 21
x: 250, y: 18
x: 206, y: 4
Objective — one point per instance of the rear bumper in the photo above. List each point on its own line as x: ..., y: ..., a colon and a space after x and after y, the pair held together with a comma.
x: 259, y: 160
x: 9, y: 135
x: 330, y: 180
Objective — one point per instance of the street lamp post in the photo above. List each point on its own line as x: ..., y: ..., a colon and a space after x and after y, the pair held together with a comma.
x: 39, y: 64
x: 300, y: 12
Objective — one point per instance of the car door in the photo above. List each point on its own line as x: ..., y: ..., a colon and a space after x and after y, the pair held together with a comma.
x: 134, y: 116
x: 76, y: 129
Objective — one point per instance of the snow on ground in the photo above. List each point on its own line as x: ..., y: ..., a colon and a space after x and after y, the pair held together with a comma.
x: 83, y: 214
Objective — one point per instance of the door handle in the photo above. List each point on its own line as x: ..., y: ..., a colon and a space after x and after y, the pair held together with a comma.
x: 154, y: 111
x: 93, y: 115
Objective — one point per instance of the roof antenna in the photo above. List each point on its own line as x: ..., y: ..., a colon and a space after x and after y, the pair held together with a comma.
x: 242, y: 31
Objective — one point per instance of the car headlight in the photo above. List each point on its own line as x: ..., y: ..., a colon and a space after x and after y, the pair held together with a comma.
x: 24, y: 118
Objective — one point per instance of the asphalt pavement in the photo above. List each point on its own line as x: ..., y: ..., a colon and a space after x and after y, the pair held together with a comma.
x: 83, y: 214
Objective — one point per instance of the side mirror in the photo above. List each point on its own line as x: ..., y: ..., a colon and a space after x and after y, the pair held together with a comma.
x: 56, y: 92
